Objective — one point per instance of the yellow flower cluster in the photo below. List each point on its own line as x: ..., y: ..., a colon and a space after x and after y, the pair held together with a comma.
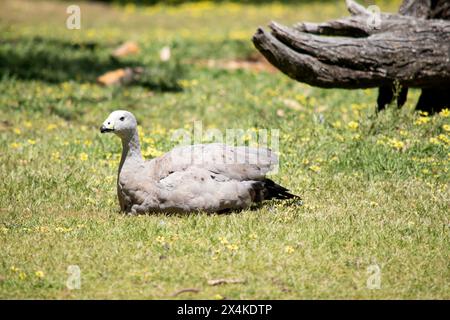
x: 151, y: 152
x: 289, y: 249
x: 353, y: 125
x: 422, y: 120
x: 396, y: 144
x: 233, y: 247
x: 23, y: 276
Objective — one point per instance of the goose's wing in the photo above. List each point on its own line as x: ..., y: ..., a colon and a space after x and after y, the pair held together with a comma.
x: 200, y: 189
x: 239, y: 163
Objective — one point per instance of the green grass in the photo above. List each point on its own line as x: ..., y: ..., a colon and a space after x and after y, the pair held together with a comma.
x: 375, y: 187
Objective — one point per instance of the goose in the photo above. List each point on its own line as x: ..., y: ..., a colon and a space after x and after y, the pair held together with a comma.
x: 211, y: 177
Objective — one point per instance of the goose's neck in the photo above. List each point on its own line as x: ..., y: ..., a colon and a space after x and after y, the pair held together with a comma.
x: 131, y: 149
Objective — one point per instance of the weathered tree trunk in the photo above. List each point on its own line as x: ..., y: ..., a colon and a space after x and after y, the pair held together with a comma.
x: 397, y: 51
x: 431, y: 99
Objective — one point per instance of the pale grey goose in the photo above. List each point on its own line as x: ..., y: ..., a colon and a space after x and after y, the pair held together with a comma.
x: 209, y: 177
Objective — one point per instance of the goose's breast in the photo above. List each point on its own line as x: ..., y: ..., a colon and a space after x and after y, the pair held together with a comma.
x: 135, y: 187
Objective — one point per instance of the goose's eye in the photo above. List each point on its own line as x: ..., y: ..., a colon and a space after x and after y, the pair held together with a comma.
x: 122, y: 118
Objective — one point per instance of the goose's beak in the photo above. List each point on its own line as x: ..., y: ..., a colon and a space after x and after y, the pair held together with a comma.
x: 104, y: 129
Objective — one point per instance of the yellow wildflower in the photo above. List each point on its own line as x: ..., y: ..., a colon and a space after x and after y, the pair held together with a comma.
x: 17, y: 131
x: 148, y: 140
x: 14, y: 269
x: 444, y: 138
x: 223, y: 240
x: 22, y: 276
x: 446, y: 127
x: 152, y: 152
x: 337, y: 124
x: 15, y: 145
x: 289, y: 249
x: 422, y: 120
x: 445, y: 113
x: 353, y: 125
x: 396, y: 144
x: 31, y: 141
x: 39, y: 274
x: 28, y: 124
x: 83, y: 156
x: 51, y: 127
x: 434, y: 140
x: 314, y: 168
x: 232, y: 247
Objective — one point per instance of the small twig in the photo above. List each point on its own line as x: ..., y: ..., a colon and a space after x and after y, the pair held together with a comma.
x: 194, y: 290
x: 355, y: 8
x: 215, y: 282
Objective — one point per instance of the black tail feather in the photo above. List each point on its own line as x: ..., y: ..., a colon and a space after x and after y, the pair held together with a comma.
x: 267, y: 190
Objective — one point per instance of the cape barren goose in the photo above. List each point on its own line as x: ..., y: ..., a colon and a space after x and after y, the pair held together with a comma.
x: 209, y: 177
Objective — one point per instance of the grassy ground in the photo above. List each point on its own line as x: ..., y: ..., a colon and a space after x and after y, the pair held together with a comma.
x: 375, y: 188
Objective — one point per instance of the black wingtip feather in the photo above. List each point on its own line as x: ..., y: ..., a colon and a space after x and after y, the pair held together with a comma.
x: 267, y: 190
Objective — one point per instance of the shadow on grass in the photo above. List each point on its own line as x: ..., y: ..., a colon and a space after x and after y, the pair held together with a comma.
x: 269, y: 204
x: 56, y: 61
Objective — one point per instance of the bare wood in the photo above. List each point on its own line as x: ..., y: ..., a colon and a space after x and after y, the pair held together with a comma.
x: 421, y: 60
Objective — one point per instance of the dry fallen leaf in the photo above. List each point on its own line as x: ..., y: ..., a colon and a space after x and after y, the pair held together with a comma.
x: 294, y: 105
x: 216, y: 282
x: 119, y: 76
x: 129, y: 47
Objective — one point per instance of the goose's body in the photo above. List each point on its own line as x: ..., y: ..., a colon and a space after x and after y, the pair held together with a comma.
x: 209, y: 177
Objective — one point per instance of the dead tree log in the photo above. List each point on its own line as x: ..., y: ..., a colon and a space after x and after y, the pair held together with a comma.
x: 397, y: 51
x: 430, y: 99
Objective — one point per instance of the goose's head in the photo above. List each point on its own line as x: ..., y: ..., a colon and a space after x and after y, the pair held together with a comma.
x: 120, y: 122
